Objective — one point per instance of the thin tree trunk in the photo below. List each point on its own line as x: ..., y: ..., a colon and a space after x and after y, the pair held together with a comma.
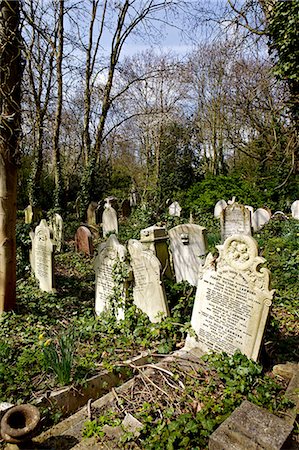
x: 10, y: 80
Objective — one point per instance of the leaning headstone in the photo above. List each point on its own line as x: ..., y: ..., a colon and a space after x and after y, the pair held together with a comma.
x: 155, y: 238
x: 126, y: 208
x: 111, y: 254
x: 56, y: 224
x: 83, y: 241
x: 28, y: 214
x: 232, y: 301
x: 235, y: 219
x: 295, y: 209
x: 175, y: 209
x: 148, y: 290
x: 188, y: 245
x: 260, y: 217
x: 91, y: 213
x: 109, y: 220
x: 219, y: 207
x: 43, y: 256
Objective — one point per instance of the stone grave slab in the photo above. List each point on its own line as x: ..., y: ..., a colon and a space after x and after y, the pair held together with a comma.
x: 219, y: 207
x: 235, y: 219
x: 56, y: 224
x: 148, y: 290
x: 175, y: 209
x: 83, y: 241
x: 110, y: 253
x: 232, y: 300
x: 259, y: 218
x: 109, y: 220
x: 188, y: 245
x: 43, y: 257
x: 295, y: 209
x: 155, y: 239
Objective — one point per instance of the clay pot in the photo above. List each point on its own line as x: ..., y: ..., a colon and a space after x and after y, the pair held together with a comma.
x: 19, y: 423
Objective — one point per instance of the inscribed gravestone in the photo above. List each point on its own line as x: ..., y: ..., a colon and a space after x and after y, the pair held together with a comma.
x: 43, y: 257
x: 57, y: 227
x: 175, y: 209
x: 83, y: 241
x: 155, y: 238
x: 109, y: 220
x: 235, y: 219
x: 28, y: 214
x: 188, y: 244
x: 110, y: 254
x: 219, y: 207
x: 259, y: 218
x: 295, y: 209
x: 148, y: 291
x: 126, y: 208
x: 232, y: 301
x: 91, y: 213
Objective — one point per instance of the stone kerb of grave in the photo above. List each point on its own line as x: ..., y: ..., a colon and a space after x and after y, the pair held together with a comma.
x: 110, y: 253
x: 259, y: 218
x: 43, y: 256
x: 175, y: 209
x: 235, y: 219
x: 219, y: 207
x: 56, y: 223
x: 232, y: 300
x: 188, y: 245
x: 148, y: 290
x: 295, y: 209
x: 109, y: 220
x: 83, y: 241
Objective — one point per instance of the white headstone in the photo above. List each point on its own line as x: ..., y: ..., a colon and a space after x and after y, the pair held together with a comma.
x: 175, y: 209
x: 148, y: 291
x: 295, y: 209
x: 43, y: 256
x: 188, y: 245
x: 235, y: 219
x: 219, y: 207
x: 260, y: 217
x: 57, y: 227
x: 109, y: 220
x: 232, y: 301
x: 111, y: 254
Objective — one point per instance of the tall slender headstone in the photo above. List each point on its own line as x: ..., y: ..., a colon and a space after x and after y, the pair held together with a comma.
x: 56, y: 224
x: 232, y: 300
x: 91, y: 213
x: 109, y: 220
x: 148, y: 290
x: 28, y: 211
x: 43, y: 257
x: 295, y: 209
x: 235, y: 219
x: 259, y: 218
x: 110, y: 292
x: 188, y: 245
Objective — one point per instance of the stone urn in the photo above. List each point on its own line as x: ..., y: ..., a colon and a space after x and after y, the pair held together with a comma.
x: 19, y: 423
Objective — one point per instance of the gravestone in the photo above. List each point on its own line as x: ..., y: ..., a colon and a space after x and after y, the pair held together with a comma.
x: 295, y: 209
x: 28, y: 214
x: 126, y: 208
x: 110, y: 253
x: 148, y: 290
x: 91, y: 213
x: 43, y: 260
x: 260, y: 217
x: 155, y: 238
x: 175, y: 209
x: 109, y: 220
x: 219, y: 207
x: 57, y: 226
x: 83, y: 241
x: 188, y: 245
x: 32, y: 251
x: 134, y: 197
x: 235, y: 219
x: 112, y: 201
x: 232, y: 300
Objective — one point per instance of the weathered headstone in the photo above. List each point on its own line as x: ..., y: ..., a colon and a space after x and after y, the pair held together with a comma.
x: 126, y: 208
x: 155, y: 238
x: 188, y: 245
x: 109, y: 220
x: 175, y: 209
x: 28, y: 214
x: 91, y: 213
x: 148, y: 290
x: 112, y: 201
x: 232, y: 301
x: 295, y: 209
x: 219, y: 207
x: 235, y: 219
x: 83, y: 241
x: 260, y: 217
x: 110, y: 254
x: 43, y: 257
x: 56, y: 224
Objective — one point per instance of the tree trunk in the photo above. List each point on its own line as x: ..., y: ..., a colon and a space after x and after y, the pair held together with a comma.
x: 10, y: 80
